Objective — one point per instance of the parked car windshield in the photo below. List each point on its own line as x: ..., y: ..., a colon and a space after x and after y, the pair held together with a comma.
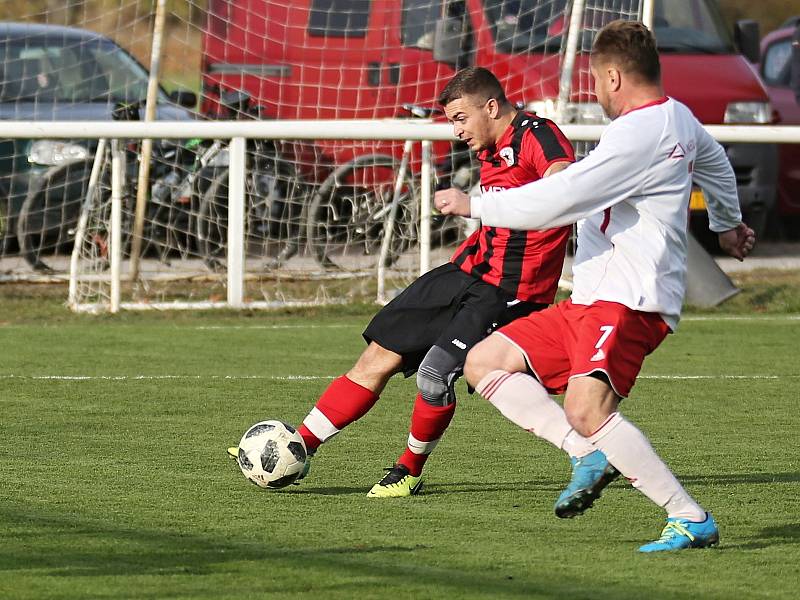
x: 64, y: 69
x: 684, y: 26
x: 693, y: 27
x: 776, y: 64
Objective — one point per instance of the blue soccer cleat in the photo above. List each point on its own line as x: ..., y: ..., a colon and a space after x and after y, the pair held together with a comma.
x: 590, y: 475
x: 682, y: 533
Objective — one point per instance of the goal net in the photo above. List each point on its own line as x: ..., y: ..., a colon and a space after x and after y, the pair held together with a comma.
x: 316, y: 211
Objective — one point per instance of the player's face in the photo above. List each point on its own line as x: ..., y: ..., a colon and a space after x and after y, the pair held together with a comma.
x: 472, y: 121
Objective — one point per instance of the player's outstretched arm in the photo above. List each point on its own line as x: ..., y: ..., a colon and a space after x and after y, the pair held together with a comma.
x: 737, y: 242
x: 453, y: 201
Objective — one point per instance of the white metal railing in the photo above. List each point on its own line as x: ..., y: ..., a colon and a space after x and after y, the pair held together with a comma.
x: 239, y: 131
x: 354, y: 129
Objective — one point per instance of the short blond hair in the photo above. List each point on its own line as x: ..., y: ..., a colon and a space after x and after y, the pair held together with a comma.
x: 631, y: 47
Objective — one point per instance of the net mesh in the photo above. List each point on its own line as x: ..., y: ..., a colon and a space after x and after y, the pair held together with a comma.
x: 315, y: 209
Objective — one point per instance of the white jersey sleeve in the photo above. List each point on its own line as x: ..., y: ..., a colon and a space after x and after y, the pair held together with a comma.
x: 631, y: 196
x: 611, y: 173
x: 715, y: 176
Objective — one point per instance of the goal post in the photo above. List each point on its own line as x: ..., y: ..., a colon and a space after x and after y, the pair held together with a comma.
x: 92, y: 272
x: 236, y: 223
x: 278, y: 134
x: 90, y: 276
x: 330, y: 67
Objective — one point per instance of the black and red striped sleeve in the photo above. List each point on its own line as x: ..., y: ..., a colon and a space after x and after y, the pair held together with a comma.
x: 546, y: 144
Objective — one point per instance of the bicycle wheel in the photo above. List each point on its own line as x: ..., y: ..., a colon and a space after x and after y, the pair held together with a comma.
x: 276, y: 209
x: 169, y: 227
x: 274, y: 199
x: 211, y: 222
x: 96, y: 239
x: 50, y: 212
x: 346, y: 217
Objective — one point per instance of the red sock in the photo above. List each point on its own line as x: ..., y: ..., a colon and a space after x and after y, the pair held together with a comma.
x: 343, y: 402
x: 427, y: 426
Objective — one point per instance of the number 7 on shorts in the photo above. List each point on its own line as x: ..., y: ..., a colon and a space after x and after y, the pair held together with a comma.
x: 600, y: 355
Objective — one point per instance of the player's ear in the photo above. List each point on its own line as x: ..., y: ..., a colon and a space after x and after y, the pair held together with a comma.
x: 492, y: 108
x: 614, y: 78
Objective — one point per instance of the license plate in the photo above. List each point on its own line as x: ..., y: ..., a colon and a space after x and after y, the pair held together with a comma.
x: 697, y: 201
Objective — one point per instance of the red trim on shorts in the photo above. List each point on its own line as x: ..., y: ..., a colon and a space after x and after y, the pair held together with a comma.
x: 606, y: 219
x: 598, y: 370
x: 524, y: 356
x: 560, y: 342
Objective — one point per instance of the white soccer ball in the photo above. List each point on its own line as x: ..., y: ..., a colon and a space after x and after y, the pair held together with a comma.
x: 272, y: 454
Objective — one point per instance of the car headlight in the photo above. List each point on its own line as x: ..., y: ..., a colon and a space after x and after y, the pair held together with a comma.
x: 55, y: 152
x: 748, y: 112
x: 581, y: 113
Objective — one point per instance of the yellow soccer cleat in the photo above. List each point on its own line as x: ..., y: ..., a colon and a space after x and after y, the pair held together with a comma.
x: 233, y: 452
x: 397, y: 483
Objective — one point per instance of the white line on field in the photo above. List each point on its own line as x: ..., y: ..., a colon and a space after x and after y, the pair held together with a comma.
x: 710, y: 318
x: 317, y: 377
x: 715, y: 376
x: 158, y: 377
x: 741, y: 318
x: 309, y: 326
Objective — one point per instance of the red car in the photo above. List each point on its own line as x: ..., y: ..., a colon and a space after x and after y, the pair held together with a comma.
x: 775, y: 67
x: 346, y: 59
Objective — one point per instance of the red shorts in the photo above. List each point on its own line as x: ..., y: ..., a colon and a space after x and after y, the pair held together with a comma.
x: 569, y: 340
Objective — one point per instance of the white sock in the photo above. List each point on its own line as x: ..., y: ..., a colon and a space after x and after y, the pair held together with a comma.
x: 523, y: 401
x: 631, y: 453
x: 320, y: 425
x: 575, y: 444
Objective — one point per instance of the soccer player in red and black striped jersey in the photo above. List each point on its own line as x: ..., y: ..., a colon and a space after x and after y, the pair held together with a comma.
x: 495, y: 276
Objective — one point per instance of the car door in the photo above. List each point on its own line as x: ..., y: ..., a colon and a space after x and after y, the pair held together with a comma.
x: 775, y: 72
x: 340, y: 59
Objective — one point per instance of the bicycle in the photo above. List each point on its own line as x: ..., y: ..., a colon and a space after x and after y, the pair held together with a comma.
x: 50, y: 212
x: 346, y: 220
x: 275, y: 197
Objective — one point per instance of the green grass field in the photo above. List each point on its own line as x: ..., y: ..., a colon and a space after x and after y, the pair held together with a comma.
x: 115, y: 481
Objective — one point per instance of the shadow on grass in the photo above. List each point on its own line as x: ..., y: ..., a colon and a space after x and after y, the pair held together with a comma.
x: 445, y: 487
x: 71, y: 546
x: 549, y: 485
x: 61, y: 547
x: 768, y: 537
x: 741, y: 478
x: 328, y: 491
x: 472, y: 487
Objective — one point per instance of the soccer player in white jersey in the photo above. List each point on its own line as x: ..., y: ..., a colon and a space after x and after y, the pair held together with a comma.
x: 631, y: 198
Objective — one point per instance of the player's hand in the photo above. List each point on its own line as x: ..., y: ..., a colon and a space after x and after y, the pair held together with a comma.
x: 452, y: 201
x: 737, y: 242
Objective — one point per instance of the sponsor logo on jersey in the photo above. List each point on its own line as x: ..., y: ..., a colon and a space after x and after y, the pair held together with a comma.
x: 457, y: 342
x: 507, y: 154
x: 677, y: 151
x: 492, y: 188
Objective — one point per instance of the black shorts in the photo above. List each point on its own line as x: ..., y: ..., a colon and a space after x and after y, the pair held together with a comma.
x: 447, y: 308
